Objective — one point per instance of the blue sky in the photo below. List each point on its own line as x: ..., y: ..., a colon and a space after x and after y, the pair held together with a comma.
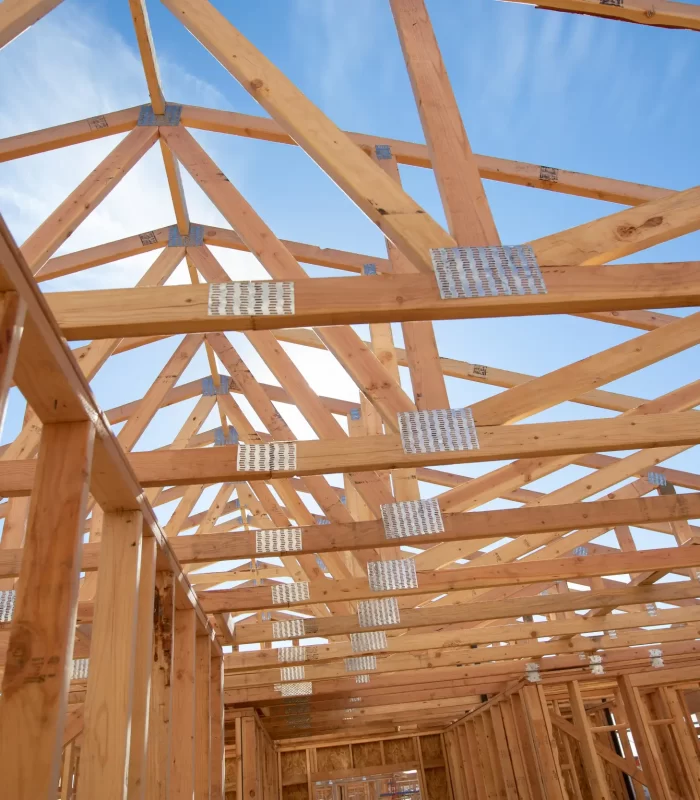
x: 568, y: 91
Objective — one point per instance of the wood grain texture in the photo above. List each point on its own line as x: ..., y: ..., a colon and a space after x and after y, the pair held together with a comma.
x: 35, y: 681
x: 183, y: 719
x: 160, y: 710
x: 202, y: 724
x: 110, y: 692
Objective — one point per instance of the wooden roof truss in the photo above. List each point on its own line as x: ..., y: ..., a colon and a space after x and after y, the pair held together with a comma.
x: 463, y: 626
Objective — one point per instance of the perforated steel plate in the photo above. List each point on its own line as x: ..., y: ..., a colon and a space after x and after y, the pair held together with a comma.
x: 412, y: 518
x: 80, y: 669
x: 289, y: 654
x: 385, y: 576
x: 7, y: 605
x: 292, y: 673
x: 171, y: 118
x: 195, y: 238
x: 278, y: 540
x: 288, y: 629
x: 438, y: 431
x: 657, y: 479
x: 372, y: 640
x: 302, y: 723
x: 361, y: 678
x: 290, y: 592
x: 360, y: 663
x: 251, y: 298
x: 296, y: 706
x: 294, y: 689
x: 266, y: 457
x: 487, y: 271
x: 221, y: 439
x: 210, y: 389
x: 377, y: 613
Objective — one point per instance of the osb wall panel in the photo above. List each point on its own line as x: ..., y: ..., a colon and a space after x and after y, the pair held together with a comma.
x: 437, y: 785
x: 293, y: 765
x: 331, y: 759
x: 431, y: 748
x: 398, y: 751
x: 367, y: 754
x: 297, y: 792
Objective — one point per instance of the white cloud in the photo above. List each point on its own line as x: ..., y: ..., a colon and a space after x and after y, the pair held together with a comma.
x: 59, y: 72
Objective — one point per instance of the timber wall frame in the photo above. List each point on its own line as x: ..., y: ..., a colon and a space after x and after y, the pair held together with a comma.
x: 498, y: 677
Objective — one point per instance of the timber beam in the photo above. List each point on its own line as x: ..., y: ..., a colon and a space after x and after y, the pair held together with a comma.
x: 479, y: 611
x: 167, y: 310
x: 476, y: 525
x: 658, y: 13
x: 368, y: 453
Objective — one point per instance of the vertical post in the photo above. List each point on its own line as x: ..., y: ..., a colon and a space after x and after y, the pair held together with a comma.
x: 463, y: 750
x: 183, y: 722
x: 511, y: 734
x: 476, y: 770
x: 643, y: 740
x: 40, y: 648
x: 143, y: 661
x: 489, y: 759
x: 202, y: 684
x: 218, y: 777
x: 249, y: 758
x: 684, y: 738
x: 239, y: 757
x: 160, y: 706
x: 527, y: 746
x: 503, y: 751
x: 572, y: 760
x: 654, y: 708
x: 545, y: 747
x: 12, y: 311
x: 595, y: 775
x: 454, y: 764
x: 109, y: 699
